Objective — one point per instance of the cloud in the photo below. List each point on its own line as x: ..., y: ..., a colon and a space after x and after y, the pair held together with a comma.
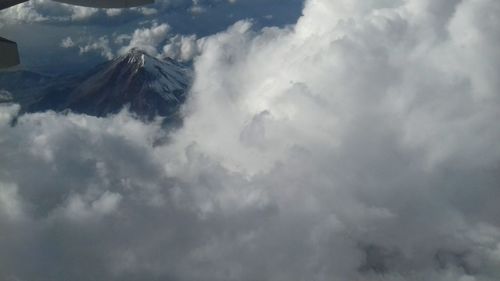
x: 46, y: 11
x: 67, y: 43
x: 183, y: 47
x: 147, y: 39
x: 359, y: 144
x: 101, y: 45
x: 54, y: 12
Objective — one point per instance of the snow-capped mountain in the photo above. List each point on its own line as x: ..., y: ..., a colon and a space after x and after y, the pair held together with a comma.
x: 148, y: 86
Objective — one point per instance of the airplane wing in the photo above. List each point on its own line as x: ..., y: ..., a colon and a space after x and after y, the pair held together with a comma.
x: 107, y: 3
x: 4, y: 4
x: 9, y: 55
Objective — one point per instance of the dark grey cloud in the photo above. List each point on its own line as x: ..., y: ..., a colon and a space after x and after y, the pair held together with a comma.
x: 360, y: 143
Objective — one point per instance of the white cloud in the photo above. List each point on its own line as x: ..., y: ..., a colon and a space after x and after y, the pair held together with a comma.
x: 114, y: 12
x: 100, y: 45
x: 67, y: 43
x: 182, y: 47
x: 46, y: 11
x: 147, y: 39
x: 52, y: 11
x: 359, y: 144
x: 10, y: 205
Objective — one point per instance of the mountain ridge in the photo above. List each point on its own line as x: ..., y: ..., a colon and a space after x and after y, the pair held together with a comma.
x: 148, y: 86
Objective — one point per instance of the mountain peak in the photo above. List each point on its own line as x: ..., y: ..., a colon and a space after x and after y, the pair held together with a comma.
x: 136, y: 52
x: 148, y: 86
x: 135, y: 57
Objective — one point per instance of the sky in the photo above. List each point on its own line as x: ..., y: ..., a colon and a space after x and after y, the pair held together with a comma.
x: 346, y: 140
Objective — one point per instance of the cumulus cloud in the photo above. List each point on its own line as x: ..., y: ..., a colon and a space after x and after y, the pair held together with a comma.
x: 359, y: 144
x: 67, y: 43
x: 54, y: 12
x: 156, y: 40
x: 147, y: 39
x: 101, y: 45
x: 46, y: 11
x: 183, y: 47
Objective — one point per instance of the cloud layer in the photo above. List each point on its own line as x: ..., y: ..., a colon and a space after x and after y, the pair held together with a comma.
x: 48, y: 11
x: 359, y: 144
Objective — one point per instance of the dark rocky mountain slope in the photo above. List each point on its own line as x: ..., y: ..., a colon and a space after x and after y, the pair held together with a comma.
x: 148, y: 86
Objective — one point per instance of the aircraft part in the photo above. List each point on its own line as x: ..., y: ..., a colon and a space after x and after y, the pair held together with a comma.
x: 4, y: 4
x: 8, y: 53
x: 107, y: 3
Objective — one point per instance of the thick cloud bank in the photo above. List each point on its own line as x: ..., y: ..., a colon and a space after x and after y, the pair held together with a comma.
x: 50, y: 11
x: 359, y: 144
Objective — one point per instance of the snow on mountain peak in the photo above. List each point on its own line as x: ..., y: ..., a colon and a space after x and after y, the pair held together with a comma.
x: 148, y: 86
